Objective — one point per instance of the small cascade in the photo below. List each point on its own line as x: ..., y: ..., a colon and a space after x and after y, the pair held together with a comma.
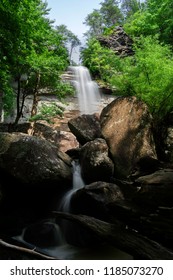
x: 87, y: 90
x: 78, y: 183
x: 48, y: 236
x: 70, y: 231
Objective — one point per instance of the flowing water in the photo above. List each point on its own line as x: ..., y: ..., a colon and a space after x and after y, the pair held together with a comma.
x: 87, y: 90
x: 78, y: 183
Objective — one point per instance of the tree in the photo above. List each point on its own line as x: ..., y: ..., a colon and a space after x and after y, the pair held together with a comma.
x: 142, y: 76
x: 30, y: 46
x: 95, y: 21
x: 111, y: 13
x: 99, y: 60
x: 130, y: 7
x: 70, y: 39
x: 107, y: 16
x: 155, y: 17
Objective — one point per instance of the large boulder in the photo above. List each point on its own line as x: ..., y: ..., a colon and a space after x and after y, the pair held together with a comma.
x: 94, y: 198
x: 32, y: 160
x: 67, y: 141
x: 95, y: 162
x: 155, y: 189
x: 85, y: 128
x: 126, y: 125
x: 64, y: 140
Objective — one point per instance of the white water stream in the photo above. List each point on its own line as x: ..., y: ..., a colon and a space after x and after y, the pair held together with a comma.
x: 87, y: 90
x: 78, y: 183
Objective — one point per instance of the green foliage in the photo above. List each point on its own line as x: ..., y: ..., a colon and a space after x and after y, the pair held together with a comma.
x: 69, y: 38
x: 155, y: 17
x: 107, y: 16
x: 148, y: 75
x: 63, y: 89
x: 95, y: 22
x: 47, y: 112
x: 6, y: 99
x: 109, y: 30
x: 98, y: 59
x: 29, y: 44
x: 130, y: 7
x: 111, y: 12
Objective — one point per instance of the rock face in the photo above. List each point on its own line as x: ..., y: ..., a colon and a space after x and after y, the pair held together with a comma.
x: 31, y: 160
x: 95, y: 162
x: 126, y: 127
x: 85, y: 128
x: 118, y: 41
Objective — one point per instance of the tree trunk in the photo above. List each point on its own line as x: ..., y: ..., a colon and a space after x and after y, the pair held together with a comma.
x: 131, y: 242
x: 35, y: 97
x: 34, y: 104
x: 18, y: 115
x: 1, y: 108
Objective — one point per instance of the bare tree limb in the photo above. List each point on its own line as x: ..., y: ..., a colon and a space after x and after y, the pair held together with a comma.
x: 25, y: 250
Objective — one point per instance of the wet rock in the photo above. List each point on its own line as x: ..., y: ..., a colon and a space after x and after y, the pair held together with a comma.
x: 67, y: 141
x: 155, y: 189
x: 95, y: 162
x: 85, y: 128
x: 32, y: 160
x: 94, y: 198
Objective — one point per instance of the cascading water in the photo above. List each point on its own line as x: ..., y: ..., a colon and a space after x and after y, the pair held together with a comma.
x: 77, y: 184
x: 68, y: 229
x: 87, y: 90
x: 60, y: 247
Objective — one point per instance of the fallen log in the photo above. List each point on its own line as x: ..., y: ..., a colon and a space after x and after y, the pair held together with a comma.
x: 131, y: 242
x: 14, y: 250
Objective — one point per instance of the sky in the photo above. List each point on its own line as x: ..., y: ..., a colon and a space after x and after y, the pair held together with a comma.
x: 72, y: 13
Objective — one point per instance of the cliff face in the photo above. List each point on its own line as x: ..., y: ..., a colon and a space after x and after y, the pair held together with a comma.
x: 118, y: 41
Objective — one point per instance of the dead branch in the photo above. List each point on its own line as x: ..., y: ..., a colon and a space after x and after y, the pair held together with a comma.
x: 25, y: 250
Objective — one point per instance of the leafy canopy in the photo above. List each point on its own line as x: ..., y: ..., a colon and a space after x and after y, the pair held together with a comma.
x: 28, y: 45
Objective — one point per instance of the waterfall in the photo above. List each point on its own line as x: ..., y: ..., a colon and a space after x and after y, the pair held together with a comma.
x: 87, y: 90
x: 67, y: 227
x: 78, y: 183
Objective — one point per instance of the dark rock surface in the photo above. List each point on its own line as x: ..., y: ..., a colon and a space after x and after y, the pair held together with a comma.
x: 126, y: 125
x: 85, y: 128
x: 118, y: 41
x: 95, y: 162
x: 32, y: 160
